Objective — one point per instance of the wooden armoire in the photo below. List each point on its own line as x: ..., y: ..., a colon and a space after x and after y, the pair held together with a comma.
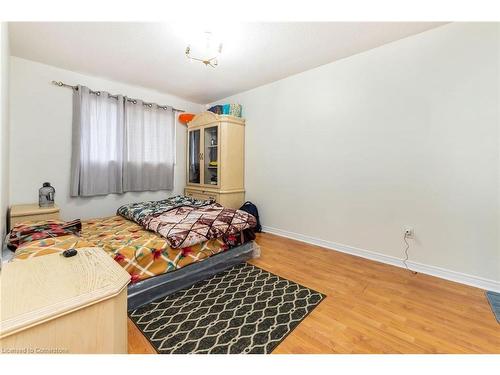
x: 216, y: 159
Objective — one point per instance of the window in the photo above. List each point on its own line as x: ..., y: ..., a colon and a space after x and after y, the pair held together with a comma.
x: 120, y: 145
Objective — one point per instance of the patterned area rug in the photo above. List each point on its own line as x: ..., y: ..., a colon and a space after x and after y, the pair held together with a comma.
x: 241, y: 310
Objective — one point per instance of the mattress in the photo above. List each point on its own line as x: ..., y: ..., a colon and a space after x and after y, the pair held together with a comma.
x: 141, y: 253
x: 146, y: 291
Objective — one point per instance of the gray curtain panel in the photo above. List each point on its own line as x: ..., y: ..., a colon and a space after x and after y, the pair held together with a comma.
x: 149, y: 147
x: 120, y: 145
x: 97, y: 143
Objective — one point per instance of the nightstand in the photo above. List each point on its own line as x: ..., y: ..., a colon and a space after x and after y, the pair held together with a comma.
x: 31, y: 212
x: 52, y: 304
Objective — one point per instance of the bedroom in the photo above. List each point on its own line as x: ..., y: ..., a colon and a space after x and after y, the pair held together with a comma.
x: 148, y: 154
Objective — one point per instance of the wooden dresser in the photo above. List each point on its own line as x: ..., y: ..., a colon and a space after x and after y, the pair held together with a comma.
x: 216, y: 159
x: 52, y: 304
x: 31, y: 212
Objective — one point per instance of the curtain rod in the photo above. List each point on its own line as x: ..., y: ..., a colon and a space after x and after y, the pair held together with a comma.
x: 62, y: 84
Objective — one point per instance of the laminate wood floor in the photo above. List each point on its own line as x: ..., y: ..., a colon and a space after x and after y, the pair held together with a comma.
x: 371, y: 307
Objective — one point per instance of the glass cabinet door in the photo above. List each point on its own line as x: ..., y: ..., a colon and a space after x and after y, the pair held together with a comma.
x: 194, y: 157
x: 210, y: 155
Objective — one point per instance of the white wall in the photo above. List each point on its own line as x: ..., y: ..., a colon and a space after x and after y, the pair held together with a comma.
x: 41, y: 137
x: 404, y: 134
x: 4, y: 128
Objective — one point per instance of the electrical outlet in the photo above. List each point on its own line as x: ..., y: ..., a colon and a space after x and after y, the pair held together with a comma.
x: 408, y: 231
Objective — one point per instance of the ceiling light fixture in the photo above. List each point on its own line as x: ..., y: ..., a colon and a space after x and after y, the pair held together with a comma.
x: 210, y: 55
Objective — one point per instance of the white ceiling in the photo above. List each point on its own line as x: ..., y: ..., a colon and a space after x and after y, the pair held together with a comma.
x: 152, y: 54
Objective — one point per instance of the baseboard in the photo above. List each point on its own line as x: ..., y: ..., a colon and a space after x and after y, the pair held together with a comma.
x: 476, y: 281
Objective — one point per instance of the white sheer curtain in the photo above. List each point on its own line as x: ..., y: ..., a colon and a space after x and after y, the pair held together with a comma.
x: 149, y: 147
x: 97, y: 143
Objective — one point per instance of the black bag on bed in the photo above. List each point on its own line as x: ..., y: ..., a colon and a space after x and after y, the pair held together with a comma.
x: 251, y: 208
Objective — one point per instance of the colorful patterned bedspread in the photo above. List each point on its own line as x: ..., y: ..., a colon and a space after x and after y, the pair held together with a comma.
x: 143, y: 212
x: 143, y: 254
x: 185, y: 221
x: 188, y: 226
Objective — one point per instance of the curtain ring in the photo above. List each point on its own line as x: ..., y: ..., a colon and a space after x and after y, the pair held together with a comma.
x: 150, y: 105
x: 98, y: 93
x: 134, y: 101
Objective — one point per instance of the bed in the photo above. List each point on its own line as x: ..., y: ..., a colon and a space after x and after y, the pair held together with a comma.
x: 147, y: 256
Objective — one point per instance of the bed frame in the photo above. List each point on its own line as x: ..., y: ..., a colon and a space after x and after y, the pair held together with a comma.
x: 148, y: 290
